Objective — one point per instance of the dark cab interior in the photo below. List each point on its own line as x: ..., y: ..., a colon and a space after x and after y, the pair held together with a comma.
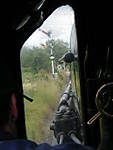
x: 20, y: 18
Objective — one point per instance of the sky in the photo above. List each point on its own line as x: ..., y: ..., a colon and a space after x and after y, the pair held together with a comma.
x: 59, y: 23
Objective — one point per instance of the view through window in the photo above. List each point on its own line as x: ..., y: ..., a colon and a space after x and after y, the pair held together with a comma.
x: 43, y: 75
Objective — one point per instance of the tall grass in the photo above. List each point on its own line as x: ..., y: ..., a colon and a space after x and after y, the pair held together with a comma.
x: 45, y: 91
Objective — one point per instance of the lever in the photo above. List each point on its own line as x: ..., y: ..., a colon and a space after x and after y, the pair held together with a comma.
x: 94, y: 118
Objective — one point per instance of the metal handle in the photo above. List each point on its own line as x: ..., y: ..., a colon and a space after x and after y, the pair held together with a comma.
x: 94, y: 118
x: 61, y: 139
x: 75, y: 139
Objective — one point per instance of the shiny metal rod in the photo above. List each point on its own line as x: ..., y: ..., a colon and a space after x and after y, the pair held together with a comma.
x: 74, y: 138
x: 61, y: 139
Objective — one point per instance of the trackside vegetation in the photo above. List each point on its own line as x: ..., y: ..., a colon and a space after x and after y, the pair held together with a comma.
x: 39, y: 84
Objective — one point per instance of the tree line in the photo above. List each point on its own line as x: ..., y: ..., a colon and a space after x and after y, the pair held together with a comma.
x: 37, y: 58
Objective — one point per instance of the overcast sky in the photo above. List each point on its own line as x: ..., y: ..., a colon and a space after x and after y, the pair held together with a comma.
x: 59, y: 23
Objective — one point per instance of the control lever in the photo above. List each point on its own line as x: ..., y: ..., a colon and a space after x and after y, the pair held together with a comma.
x: 74, y: 138
x: 104, y: 92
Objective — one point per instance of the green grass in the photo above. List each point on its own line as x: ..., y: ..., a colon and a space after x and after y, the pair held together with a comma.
x: 45, y: 91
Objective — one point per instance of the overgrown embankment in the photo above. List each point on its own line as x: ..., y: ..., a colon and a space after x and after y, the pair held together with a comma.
x: 45, y: 91
x: 39, y: 84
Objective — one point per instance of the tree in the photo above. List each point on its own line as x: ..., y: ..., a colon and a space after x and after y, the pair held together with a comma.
x: 35, y: 59
x: 59, y: 48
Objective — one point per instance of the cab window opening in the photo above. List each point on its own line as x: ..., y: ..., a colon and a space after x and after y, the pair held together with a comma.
x: 43, y: 76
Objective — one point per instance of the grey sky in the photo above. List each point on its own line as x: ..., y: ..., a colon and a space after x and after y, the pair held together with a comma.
x: 59, y: 23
